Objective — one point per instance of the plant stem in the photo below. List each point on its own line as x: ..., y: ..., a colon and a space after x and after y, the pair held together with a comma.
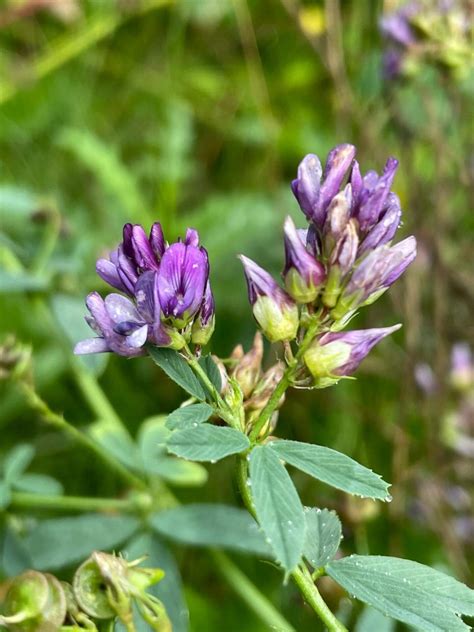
x: 250, y: 594
x: 224, y: 409
x: 302, y: 578
x: 312, y: 596
x: 71, y: 503
x: 57, y: 421
x: 285, y: 381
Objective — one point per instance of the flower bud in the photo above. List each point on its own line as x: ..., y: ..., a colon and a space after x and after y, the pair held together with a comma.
x: 338, y: 163
x: 340, y: 263
x: 248, y: 370
x: 15, y: 358
x: 303, y: 274
x: 307, y: 184
x: 273, y: 309
x: 336, y: 355
x: 265, y: 387
x: 204, y: 323
x: 35, y: 602
x: 339, y: 212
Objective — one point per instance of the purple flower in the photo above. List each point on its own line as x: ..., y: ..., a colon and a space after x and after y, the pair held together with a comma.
x: 370, y: 203
x: 385, y: 228
x: 124, y: 326
x: 136, y: 254
x: 377, y: 271
x: 167, y: 288
x: 314, y: 195
x: 273, y: 309
x: 396, y: 27
x: 336, y: 355
x: 303, y: 274
x: 184, y: 272
x: 462, y: 366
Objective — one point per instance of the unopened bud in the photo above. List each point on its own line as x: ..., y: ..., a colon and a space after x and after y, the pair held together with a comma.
x: 248, y: 370
x: 35, y: 602
x: 266, y: 386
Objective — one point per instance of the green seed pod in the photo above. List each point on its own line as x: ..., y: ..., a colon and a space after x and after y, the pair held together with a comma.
x: 90, y: 590
x: 35, y: 602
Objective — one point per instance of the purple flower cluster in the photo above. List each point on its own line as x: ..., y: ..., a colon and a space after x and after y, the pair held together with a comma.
x: 419, y: 30
x: 343, y: 260
x: 168, y: 300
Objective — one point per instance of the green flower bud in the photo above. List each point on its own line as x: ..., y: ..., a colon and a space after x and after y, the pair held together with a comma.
x: 278, y: 321
x: 35, y: 602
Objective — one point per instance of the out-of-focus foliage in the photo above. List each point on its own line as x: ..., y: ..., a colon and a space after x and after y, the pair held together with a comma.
x: 197, y: 113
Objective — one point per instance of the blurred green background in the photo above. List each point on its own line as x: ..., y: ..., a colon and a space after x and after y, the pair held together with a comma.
x: 198, y: 113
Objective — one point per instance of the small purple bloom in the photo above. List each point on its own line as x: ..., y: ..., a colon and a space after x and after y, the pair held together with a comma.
x: 136, y: 254
x: 338, y: 163
x: 344, y: 252
x: 373, y: 196
x: 385, y: 229
x: 396, y: 27
x: 335, y: 355
x: 306, y: 186
x: 182, y: 280
x: 399, y: 258
x: 104, y: 325
x: 303, y: 274
x: 273, y: 309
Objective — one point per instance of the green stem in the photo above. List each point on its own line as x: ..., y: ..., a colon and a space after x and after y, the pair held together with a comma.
x: 95, y: 397
x: 302, y: 578
x: 57, y: 421
x: 250, y: 594
x: 312, y: 596
x: 71, y: 503
x: 224, y: 410
x: 285, y: 381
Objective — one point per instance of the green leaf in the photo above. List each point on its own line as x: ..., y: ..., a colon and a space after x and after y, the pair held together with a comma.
x: 178, y: 370
x: 323, y: 535
x: 333, y: 468
x: 14, y: 557
x: 5, y: 494
x: 38, y: 484
x: 410, y: 592
x: 188, y: 416
x: 212, y: 372
x: 371, y: 619
x: 278, y: 507
x: 58, y: 542
x: 14, y: 282
x: 69, y: 311
x: 17, y: 460
x: 118, y: 442
x: 212, y: 525
x: 170, y: 589
x: 207, y: 443
x: 107, y: 168
x: 156, y: 460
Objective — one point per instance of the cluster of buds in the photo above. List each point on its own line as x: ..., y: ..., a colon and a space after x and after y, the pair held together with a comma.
x: 249, y: 388
x: 15, y: 358
x: 341, y: 262
x: 166, y: 297
x: 439, y: 31
x: 104, y: 588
